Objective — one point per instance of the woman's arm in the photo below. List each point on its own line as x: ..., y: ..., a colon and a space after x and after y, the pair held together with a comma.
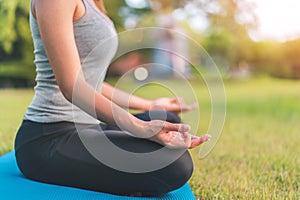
x: 126, y: 100
x: 55, y: 20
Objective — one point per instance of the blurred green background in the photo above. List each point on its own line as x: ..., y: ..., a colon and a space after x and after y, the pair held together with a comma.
x: 222, y: 27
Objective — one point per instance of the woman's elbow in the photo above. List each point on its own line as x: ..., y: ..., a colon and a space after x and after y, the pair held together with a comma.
x: 67, y: 91
x: 76, y: 91
x: 68, y: 95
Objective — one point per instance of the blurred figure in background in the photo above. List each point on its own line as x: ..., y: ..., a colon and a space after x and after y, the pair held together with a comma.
x: 170, y: 63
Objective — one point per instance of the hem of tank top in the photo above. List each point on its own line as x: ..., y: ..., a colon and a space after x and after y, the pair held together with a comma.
x: 26, y: 118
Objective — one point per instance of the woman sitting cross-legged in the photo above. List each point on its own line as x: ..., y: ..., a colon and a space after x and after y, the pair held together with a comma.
x: 76, y: 134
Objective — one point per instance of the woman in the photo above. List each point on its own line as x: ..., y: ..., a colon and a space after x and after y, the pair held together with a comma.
x: 48, y: 146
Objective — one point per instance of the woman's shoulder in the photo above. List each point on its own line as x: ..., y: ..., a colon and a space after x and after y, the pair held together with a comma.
x: 55, y: 7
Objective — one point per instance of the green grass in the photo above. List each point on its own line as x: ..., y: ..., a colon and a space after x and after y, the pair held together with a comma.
x: 258, y: 154
x: 13, y: 106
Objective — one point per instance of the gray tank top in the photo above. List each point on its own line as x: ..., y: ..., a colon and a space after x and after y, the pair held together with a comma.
x: 96, y: 41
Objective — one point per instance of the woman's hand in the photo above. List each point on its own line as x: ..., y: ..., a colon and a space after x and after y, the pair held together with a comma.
x: 173, y: 135
x: 172, y: 104
x: 196, y: 141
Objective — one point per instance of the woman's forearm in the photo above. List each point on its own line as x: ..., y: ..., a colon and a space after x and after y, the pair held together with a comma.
x: 100, y: 107
x: 124, y: 99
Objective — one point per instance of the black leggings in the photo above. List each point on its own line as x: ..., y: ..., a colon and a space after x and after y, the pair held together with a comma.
x: 53, y: 153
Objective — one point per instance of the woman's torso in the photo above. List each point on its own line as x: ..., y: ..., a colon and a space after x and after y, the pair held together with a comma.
x: 96, y: 41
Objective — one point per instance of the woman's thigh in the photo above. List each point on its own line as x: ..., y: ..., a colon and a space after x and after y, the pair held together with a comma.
x: 116, y: 175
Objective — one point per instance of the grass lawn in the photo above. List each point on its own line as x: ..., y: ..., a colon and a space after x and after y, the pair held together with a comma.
x: 258, y: 154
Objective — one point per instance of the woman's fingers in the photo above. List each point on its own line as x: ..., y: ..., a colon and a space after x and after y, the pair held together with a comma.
x: 196, y: 141
x: 175, y: 135
x: 176, y: 100
x: 190, y: 107
x: 176, y: 127
x: 175, y: 104
x: 193, y: 106
x: 178, y: 140
x: 158, y: 125
x: 179, y: 105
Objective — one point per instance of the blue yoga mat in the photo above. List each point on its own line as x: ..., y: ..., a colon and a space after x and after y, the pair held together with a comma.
x: 13, y: 186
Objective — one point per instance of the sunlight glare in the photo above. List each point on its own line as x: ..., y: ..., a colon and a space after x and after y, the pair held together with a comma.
x: 278, y: 20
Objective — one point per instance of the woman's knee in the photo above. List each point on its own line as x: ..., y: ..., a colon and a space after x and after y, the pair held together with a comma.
x: 173, y: 117
x: 184, y: 168
x: 179, y: 172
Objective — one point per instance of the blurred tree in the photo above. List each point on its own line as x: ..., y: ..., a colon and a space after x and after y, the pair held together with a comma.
x: 164, y: 6
x: 225, y: 26
x: 221, y: 44
x: 267, y: 57
x: 7, y: 24
x: 291, y: 54
x: 15, y: 37
x: 229, y: 23
x: 113, y: 10
x: 291, y: 50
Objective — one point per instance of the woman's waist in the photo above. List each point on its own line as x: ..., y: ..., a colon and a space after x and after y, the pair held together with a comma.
x: 52, y: 108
